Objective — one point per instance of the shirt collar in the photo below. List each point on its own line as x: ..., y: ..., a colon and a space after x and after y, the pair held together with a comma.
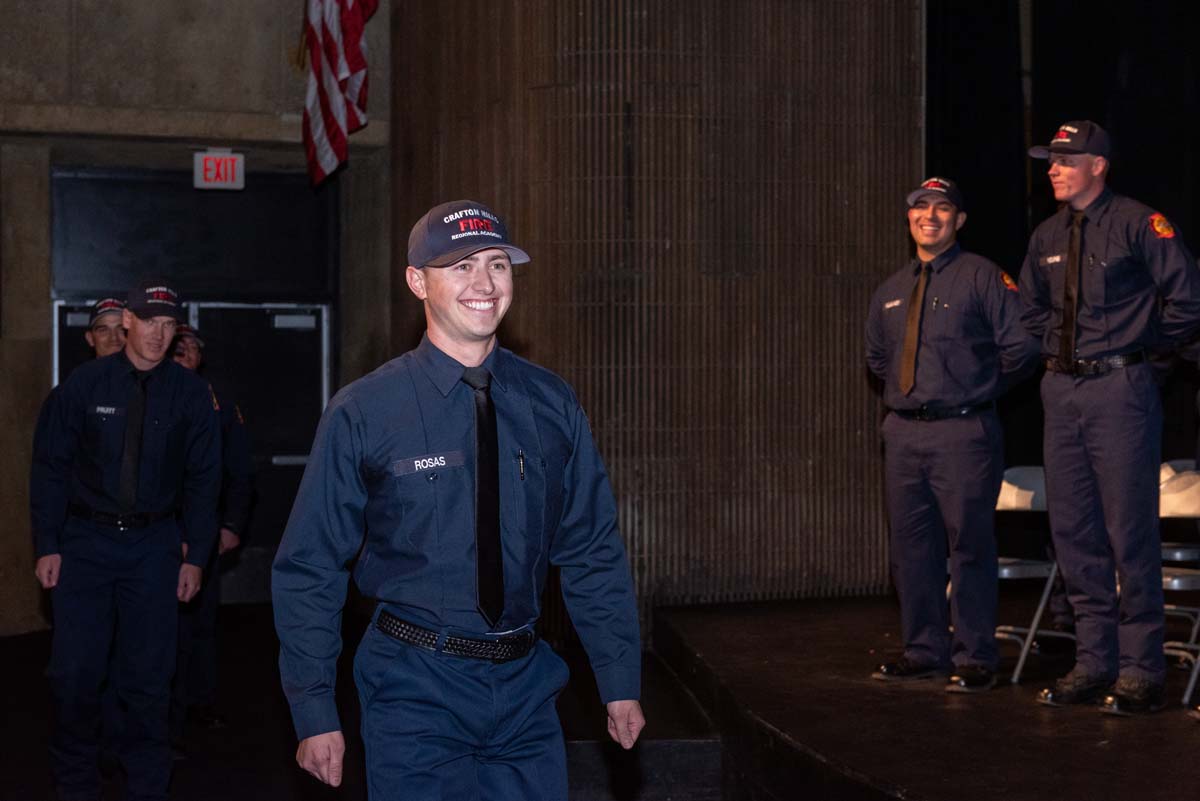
x: 1094, y: 211
x: 446, y: 372
x: 939, y: 261
x: 126, y: 366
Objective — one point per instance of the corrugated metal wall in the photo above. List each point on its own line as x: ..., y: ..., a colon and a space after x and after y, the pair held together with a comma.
x: 710, y: 191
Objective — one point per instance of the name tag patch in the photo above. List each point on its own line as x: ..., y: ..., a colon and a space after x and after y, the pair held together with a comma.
x: 891, y: 304
x: 431, y: 461
x: 108, y: 410
x: 1055, y: 259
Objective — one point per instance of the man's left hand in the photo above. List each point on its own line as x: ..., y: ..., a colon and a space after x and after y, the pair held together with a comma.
x: 625, y: 722
x: 189, y: 582
x: 229, y: 541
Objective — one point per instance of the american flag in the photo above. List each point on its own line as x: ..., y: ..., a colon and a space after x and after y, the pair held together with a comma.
x: 336, y: 103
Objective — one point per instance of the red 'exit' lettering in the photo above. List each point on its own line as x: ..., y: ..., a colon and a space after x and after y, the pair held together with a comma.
x: 220, y: 169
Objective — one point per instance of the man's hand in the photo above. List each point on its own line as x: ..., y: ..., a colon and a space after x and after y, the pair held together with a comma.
x: 189, y: 581
x: 228, y: 541
x: 47, y: 570
x: 321, y: 755
x: 625, y: 722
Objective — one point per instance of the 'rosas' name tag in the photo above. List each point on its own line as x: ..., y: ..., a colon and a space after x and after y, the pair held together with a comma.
x: 431, y: 461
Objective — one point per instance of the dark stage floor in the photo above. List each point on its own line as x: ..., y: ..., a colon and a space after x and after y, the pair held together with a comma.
x: 789, y: 688
x: 253, y: 758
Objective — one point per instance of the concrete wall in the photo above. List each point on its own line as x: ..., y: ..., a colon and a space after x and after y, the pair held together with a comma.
x: 129, y: 83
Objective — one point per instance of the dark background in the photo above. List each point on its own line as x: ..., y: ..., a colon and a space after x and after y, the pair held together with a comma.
x: 1129, y: 67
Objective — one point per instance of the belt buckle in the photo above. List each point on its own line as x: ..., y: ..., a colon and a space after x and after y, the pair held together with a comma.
x: 924, y: 414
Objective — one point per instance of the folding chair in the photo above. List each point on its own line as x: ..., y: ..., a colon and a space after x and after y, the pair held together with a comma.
x: 1179, y: 496
x: 1024, y: 490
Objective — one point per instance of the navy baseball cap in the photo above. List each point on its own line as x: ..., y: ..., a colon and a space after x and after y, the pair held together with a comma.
x: 941, y: 188
x: 154, y: 297
x: 184, y: 330
x: 455, y: 230
x: 1073, y: 138
x: 105, y: 306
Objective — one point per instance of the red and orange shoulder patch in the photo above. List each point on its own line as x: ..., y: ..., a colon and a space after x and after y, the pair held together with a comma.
x: 1161, y: 227
x: 1009, y: 284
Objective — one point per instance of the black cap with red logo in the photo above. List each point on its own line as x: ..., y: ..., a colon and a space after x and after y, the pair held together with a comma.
x: 105, y: 306
x: 940, y: 188
x: 1073, y: 138
x: 184, y: 330
x: 155, y: 297
x: 455, y: 230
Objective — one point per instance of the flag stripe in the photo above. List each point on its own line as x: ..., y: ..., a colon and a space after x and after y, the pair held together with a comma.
x: 335, y: 103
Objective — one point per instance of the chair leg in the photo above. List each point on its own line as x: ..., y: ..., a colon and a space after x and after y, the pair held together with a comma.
x: 1033, y: 626
x: 1187, y: 694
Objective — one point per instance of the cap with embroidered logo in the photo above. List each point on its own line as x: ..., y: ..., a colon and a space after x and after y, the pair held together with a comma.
x: 1073, y: 138
x: 105, y: 306
x: 942, y: 188
x: 455, y: 230
x: 184, y: 330
x: 155, y: 297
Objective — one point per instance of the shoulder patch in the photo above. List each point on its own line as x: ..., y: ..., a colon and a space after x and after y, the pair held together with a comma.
x: 213, y: 395
x: 1009, y: 284
x: 1161, y: 227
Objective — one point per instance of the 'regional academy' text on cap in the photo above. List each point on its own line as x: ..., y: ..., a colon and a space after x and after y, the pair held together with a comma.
x: 455, y: 230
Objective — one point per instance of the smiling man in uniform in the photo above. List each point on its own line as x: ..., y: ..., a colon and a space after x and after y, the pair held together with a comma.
x: 458, y: 473
x: 944, y: 337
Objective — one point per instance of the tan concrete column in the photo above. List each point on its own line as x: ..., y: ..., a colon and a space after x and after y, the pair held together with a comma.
x: 24, y: 367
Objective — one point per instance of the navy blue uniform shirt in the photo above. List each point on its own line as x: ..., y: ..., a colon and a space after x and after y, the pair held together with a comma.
x: 237, y: 469
x: 1130, y: 257
x: 972, y: 345
x: 392, y: 471
x: 81, y: 437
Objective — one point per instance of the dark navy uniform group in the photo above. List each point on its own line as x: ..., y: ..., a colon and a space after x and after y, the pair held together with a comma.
x: 452, y: 478
x: 455, y: 704
x: 126, y: 469
x: 1107, y: 283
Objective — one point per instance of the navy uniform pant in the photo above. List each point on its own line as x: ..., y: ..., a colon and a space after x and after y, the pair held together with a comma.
x: 1103, y: 449
x: 116, y: 596
x: 196, y: 669
x: 942, y: 479
x: 448, y: 728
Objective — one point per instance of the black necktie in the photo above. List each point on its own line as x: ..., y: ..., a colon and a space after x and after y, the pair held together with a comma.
x: 131, y: 456
x: 489, y: 564
x: 1066, y: 336
x: 912, y: 331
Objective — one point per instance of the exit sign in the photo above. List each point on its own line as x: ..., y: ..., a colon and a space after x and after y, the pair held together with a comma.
x: 218, y: 169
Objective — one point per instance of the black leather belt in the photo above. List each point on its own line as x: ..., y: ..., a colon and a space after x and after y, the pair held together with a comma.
x: 1090, y: 367
x: 498, y: 649
x: 121, y: 521
x: 925, y: 413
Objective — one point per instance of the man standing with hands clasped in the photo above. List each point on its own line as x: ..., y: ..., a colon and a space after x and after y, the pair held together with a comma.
x: 458, y: 473
x: 129, y: 450
x: 944, y: 337
x: 1105, y: 281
